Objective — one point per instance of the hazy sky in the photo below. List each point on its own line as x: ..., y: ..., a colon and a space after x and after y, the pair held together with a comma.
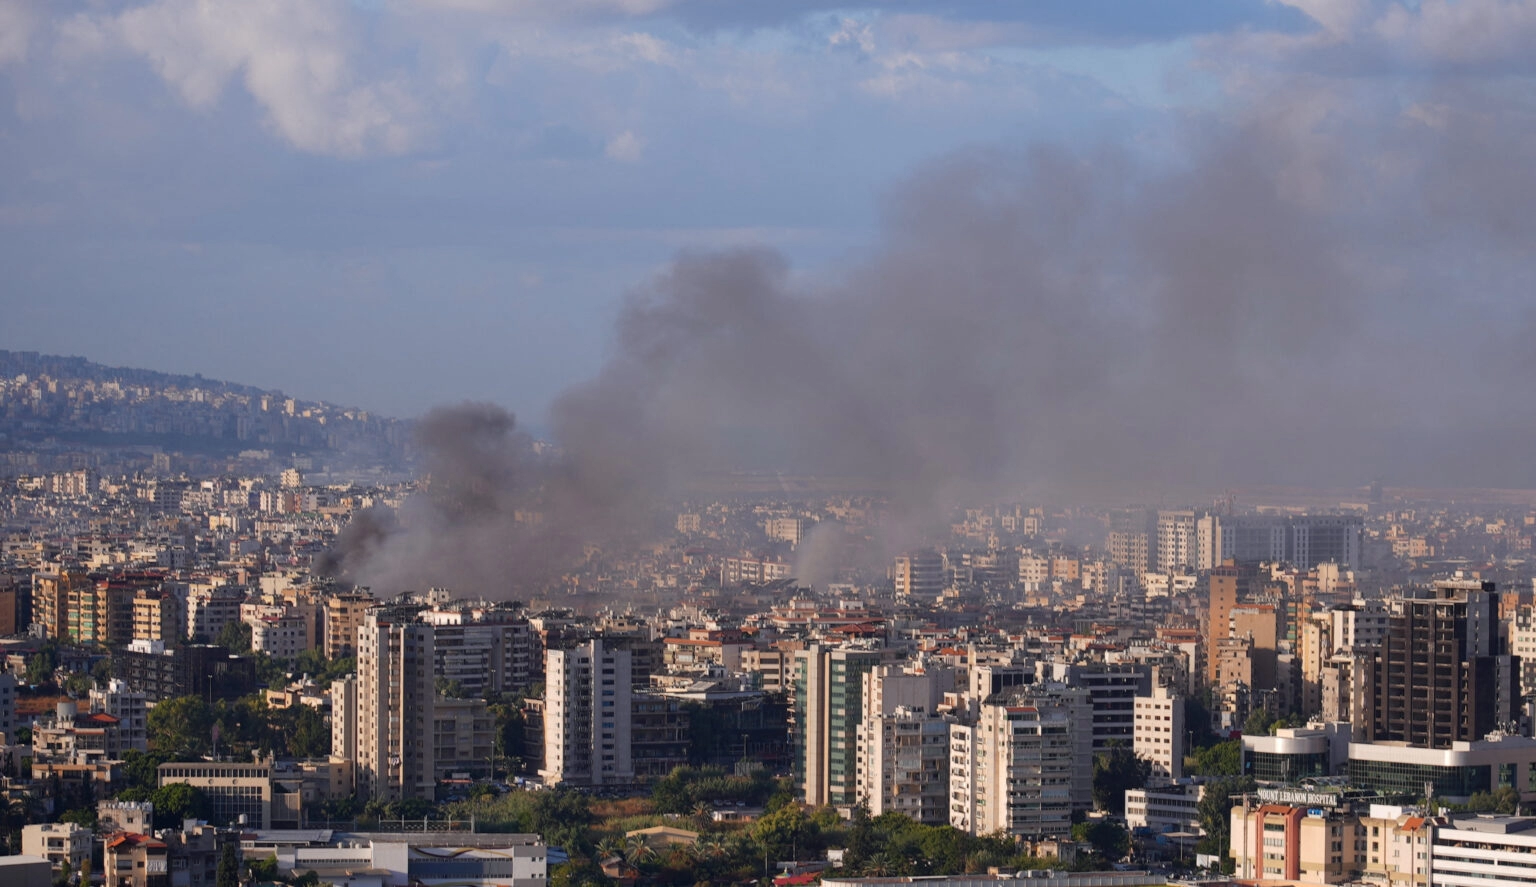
x: 395, y: 204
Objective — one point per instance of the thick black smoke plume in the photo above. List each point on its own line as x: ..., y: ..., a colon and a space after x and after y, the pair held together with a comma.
x: 1309, y: 299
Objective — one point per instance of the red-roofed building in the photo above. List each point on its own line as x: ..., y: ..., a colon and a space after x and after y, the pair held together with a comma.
x: 134, y: 860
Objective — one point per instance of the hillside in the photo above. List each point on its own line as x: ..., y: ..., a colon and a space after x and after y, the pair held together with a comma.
x: 56, y: 412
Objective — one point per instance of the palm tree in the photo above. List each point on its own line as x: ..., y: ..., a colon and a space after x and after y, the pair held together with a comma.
x: 636, y: 851
x: 609, y: 847
x: 15, y: 813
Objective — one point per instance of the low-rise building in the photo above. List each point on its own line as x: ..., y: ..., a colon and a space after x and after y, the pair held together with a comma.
x: 25, y: 871
x: 57, y: 842
x: 1296, y: 842
x: 1171, y: 809
x: 1452, y: 774
x: 130, y: 859
x: 240, y: 792
x: 463, y: 859
x: 1492, y: 850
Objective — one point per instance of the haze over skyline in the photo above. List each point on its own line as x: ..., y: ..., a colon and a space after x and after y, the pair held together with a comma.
x: 1075, y: 236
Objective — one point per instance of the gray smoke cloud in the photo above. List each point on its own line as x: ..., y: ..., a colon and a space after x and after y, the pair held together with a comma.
x: 478, y: 524
x: 1338, y: 287
x: 1271, y: 307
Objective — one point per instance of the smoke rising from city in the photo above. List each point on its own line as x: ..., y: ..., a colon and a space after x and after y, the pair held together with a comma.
x: 1330, y: 291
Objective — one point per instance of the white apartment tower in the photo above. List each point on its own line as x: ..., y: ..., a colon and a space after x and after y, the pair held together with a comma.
x: 587, y: 716
x: 902, y: 755
x: 903, y: 765
x: 1024, y: 765
x: 1177, y: 544
x: 1159, y: 736
x: 396, y: 694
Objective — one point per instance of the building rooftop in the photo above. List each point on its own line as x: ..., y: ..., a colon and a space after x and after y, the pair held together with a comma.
x: 1495, y: 824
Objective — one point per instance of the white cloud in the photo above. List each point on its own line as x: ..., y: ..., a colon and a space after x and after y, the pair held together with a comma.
x: 295, y: 58
x: 1462, y: 32
x: 546, y: 10
x: 18, y: 22
x: 1336, y: 16
x: 1379, y: 36
x: 626, y: 147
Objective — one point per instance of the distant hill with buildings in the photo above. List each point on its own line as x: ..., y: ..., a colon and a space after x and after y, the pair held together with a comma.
x: 68, y: 412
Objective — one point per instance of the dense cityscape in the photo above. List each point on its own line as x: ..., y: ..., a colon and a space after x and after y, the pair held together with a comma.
x: 196, y: 693
x: 767, y: 443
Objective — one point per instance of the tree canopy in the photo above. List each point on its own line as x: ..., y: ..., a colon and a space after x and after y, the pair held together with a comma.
x: 1115, y: 771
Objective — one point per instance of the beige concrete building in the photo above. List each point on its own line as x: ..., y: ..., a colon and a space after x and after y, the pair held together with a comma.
x: 1159, y: 735
x: 239, y: 789
x: 58, y: 843
x: 1282, y: 842
x: 588, y: 732
x: 157, y: 616
x: 343, y: 617
x: 396, y: 697
x: 1024, y: 765
x: 1398, y: 844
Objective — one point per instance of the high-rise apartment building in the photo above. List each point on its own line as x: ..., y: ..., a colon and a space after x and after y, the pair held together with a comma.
x: 131, y: 710
x: 1176, y: 541
x: 919, y: 574
x: 1304, y: 541
x: 1024, y: 765
x: 902, y: 740
x: 1228, y: 583
x: 210, y: 608
x: 588, y: 730
x: 828, y: 689
x: 343, y: 617
x: 157, y: 616
x: 903, y: 765
x: 1112, y: 691
x: 396, y: 692
x: 486, y: 653
x: 1132, y: 541
x: 57, y: 599
x: 1161, y: 737
x: 1439, y: 676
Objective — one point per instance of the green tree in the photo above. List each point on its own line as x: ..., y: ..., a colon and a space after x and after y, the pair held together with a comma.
x: 1225, y: 758
x: 1501, y: 800
x: 782, y: 831
x: 562, y: 816
x: 301, y: 731
x: 1215, y: 811
x: 235, y: 637
x: 177, y: 801
x: 79, y: 684
x: 228, y: 874
x: 1108, y: 837
x: 1258, y: 723
x: 1197, y: 719
x: 41, y: 665
x: 581, y: 871
x: 181, y: 728
x: 81, y: 816
x: 262, y: 870
x: 1114, y: 772
x: 860, y: 838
